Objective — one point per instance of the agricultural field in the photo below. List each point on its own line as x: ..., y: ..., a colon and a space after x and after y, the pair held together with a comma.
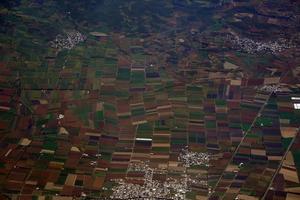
x: 147, y: 99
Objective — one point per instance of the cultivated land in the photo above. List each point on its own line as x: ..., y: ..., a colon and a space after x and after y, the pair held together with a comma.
x: 149, y: 99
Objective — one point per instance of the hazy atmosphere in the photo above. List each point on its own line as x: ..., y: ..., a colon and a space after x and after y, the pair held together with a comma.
x: 149, y: 99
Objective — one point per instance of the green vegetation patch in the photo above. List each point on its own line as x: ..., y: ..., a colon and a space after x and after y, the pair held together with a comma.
x: 138, y: 111
x: 99, y: 116
x: 210, y: 124
x: 220, y: 102
x: 50, y: 143
x: 137, y: 77
x: 161, y: 149
x: 264, y: 121
x: 197, y: 115
x: 123, y: 74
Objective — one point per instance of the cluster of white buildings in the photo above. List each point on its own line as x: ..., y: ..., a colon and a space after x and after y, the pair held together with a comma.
x: 171, y: 188
x: 191, y: 158
x: 151, y: 189
x: 251, y: 46
x: 67, y: 41
x: 271, y: 88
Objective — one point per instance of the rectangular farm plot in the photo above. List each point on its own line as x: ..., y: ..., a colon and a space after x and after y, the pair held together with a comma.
x: 124, y: 74
x: 137, y: 78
